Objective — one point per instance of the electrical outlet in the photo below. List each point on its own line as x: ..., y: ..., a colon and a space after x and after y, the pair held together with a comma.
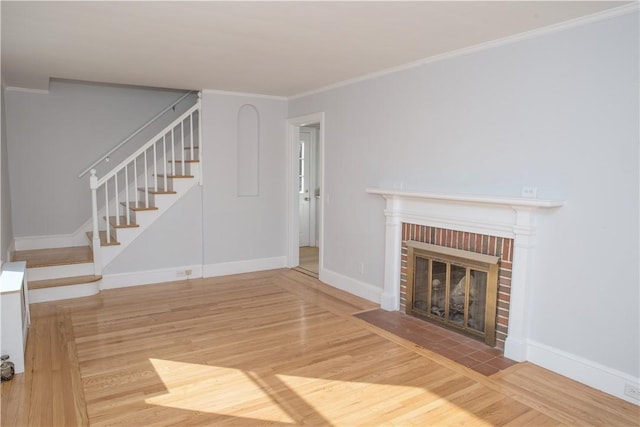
x: 529, y: 192
x: 188, y: 272
x: 632, y: 391
x: 361, y: 267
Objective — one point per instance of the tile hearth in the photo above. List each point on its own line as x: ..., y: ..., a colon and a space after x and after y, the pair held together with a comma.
x: 464, y: 350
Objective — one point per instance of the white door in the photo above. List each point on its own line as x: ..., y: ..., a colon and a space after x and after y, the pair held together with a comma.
x: 304, y: 184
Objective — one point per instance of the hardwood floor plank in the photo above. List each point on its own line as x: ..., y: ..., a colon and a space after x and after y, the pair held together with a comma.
x: 270, y: 348
x: 543, y: 391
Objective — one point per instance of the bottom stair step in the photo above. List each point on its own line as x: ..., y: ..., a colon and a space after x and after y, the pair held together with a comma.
x: 65, y: 281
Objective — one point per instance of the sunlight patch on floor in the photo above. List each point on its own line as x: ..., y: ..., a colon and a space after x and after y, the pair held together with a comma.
x: 215, y: 390
x: 262, y: 396
x: 351, y: 401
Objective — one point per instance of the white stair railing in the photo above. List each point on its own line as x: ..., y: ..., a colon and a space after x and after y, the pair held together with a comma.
x: 182, y: 135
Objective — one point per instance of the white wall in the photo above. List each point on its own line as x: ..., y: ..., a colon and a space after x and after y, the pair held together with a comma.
x: 54, y: 136
x: 243, y: 228
x: 559, y: 112
x: 6, y: 230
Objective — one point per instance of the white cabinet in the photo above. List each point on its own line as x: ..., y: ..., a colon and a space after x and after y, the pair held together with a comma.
x: 14, y: 299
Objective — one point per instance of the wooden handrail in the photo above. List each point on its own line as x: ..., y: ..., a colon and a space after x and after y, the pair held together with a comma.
x: 143, y: 127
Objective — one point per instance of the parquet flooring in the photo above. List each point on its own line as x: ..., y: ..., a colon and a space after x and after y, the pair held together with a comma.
x: 268, y: 348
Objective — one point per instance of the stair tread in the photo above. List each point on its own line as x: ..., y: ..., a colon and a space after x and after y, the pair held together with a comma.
x: 64, y: 281
x: 140, y: 206
x: 189, y: 148
x: 123, y: 222
x: 185, y: 161
x: 103, y: 239
x: 159, y: 191
x: 55, y: 256
x: 175, y: 176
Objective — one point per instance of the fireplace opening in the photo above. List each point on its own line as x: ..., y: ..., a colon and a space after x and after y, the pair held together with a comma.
x: 453, y: 288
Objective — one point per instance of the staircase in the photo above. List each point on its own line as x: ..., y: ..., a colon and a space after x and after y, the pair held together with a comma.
x: 125, y: 202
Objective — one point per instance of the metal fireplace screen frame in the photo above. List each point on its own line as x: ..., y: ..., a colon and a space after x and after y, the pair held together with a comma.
x: 444, y: 284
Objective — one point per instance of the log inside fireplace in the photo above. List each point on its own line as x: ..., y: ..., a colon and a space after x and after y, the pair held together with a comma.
x: 453, y: 288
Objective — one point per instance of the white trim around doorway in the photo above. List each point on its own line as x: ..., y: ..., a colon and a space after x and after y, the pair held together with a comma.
x: 293, y: 136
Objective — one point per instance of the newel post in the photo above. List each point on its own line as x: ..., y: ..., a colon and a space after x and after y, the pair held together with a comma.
x: 97, y: 259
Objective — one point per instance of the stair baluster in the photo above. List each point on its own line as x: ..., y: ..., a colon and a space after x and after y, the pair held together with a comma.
x: 182, y: 144
x: 164, y: 158
x: 126, y: 193
x: 191, y: 137
x: 173, y: 151
x: 155, y: 168
x: 106, y: 209
x: 135, y: 181
x: 146, y: 181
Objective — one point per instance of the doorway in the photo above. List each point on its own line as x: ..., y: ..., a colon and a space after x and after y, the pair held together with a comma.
x: 309, y: 193
x: 305, y: 201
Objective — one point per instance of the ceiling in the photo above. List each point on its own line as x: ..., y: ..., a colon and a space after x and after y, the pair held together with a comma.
x: 271, y: 48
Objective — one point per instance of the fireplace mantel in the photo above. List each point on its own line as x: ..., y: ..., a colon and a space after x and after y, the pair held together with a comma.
x: 510, y: 217
x: 468, y: 198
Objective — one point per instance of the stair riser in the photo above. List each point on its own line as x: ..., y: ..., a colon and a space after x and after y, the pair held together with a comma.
x: 64, y: 292
x: 59, y: 271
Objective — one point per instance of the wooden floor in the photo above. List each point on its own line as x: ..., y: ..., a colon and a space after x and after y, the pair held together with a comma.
x: 309, y: 259
x: 269, y: 348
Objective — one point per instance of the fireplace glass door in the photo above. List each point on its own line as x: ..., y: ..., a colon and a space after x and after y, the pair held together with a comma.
x: 454, y: 288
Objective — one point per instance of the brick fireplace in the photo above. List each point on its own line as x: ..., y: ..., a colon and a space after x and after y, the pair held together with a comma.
x: 491, y: 225
x: 501, y: 247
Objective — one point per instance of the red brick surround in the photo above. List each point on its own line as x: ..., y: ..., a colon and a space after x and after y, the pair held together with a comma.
x: 472, y: 242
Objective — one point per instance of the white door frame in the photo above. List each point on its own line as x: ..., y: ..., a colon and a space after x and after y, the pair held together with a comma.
x: 293, y: 223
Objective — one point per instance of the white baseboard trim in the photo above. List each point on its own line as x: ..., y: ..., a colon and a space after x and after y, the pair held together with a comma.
x: 246, y: 266
x: 585, y: 371
x: 137, y: 278
x: 353, y: 286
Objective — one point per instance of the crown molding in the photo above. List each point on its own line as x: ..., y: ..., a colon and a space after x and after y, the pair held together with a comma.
x: 244, y: 94
x: 576, y: 22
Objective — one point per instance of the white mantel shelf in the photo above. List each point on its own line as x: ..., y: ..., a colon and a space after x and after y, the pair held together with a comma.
x: 469, y: 198
x: 510, y: 217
